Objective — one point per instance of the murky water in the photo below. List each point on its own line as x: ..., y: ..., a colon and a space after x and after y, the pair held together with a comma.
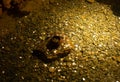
x: 90, y: 28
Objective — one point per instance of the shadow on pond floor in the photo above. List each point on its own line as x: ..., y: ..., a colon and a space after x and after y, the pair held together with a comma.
x: 41, y: 55
x: 16, y: 12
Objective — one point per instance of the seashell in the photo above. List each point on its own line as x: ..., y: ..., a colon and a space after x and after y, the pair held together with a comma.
x: 54, y: 47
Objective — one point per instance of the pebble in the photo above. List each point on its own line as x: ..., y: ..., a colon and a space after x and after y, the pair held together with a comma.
x: 22, y: 77
x: 3, y: 72
x: 93, y: 67
x: 59, y: 70
x: 74, y: 71
x: 83, y: 79
x: 74, y: 64
x: 117, y: 81
x: 69, y: 64
x: 3, y: 47
x: 45, y: 65
x: 52, y: 69
x: 20, y: 57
